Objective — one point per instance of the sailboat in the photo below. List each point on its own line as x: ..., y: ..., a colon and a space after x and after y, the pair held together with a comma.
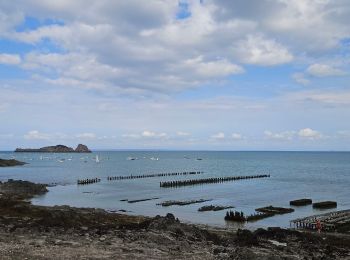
x: 97, y: 159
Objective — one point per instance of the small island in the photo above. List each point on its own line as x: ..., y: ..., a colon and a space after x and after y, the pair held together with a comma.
x: 81, y: 148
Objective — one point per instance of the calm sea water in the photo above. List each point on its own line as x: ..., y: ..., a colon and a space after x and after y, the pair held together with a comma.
x: 294, y: 175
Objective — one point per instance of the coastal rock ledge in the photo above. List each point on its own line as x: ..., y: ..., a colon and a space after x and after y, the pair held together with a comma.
x: 81, y: 148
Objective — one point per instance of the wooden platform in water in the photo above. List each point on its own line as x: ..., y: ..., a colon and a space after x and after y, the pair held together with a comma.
x: 332, y: 221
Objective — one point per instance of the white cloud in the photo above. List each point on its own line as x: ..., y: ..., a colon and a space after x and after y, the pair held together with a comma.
x: 300, y: 78
x: 10, y: 59
x: 36, y: 135
x: 260, y: 50
x: 86, y: 136
x: 146, y: 134
x: 211, y: 69
x: 309, y: 133
x: 286, y: 135
x: 180, y: 133
x: 323, y: 70
x: 218, y: 136
x: 236, y: 136
x: 133, y: 136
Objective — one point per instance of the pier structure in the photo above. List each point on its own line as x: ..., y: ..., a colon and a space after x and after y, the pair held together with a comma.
x: 88, y: 181
x: 329, y: 221
x: 180, y: 183
x: 141, y: 176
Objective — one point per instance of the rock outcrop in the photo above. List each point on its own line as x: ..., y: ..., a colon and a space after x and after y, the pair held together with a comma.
x: 12, y: 162
x: 21, y: 189
x: 81, y: 148
x: 56, y: 149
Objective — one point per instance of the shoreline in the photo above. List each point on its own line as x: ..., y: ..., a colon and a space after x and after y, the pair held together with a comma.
x: 40, y: 232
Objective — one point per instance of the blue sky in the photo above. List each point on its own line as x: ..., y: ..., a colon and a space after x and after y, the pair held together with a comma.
x: 214, y: 75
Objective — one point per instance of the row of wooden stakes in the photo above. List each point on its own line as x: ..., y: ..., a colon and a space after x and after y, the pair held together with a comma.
x: 180, y: 183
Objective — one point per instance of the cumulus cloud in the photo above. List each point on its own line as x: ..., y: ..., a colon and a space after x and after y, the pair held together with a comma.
x: 260, y: 50
x: 10, y: 59
x: 323, y: 70
x: 96, y: 59
x: 309, y: 133
x: 286, y: 135
x: 218, y: 136
x: 211, y: 69
x: 146, y: 47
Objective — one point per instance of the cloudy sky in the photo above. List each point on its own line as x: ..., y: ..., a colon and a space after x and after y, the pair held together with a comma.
x: 168, y: 74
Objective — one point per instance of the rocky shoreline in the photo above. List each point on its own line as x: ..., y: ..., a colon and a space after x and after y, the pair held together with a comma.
x: 62, y: 232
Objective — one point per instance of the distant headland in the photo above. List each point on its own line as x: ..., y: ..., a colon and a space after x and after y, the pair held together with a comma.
x: 81, y: 148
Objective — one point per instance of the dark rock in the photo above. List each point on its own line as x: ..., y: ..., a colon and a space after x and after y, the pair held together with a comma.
x: 246, y: 238
x: 300, y: 202
x: 170, y: 216
x: 324, y: 205
x: 12, y: 162
x: 275, y: 210
x: 22, y: 189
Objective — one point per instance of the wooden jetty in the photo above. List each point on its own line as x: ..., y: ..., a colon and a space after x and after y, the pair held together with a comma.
x: 180, y: 183
x: 141, y: 176
x: 332, y: 221
x: 88, y: 181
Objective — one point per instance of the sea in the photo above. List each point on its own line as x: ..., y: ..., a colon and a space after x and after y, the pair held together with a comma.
x: 320, y: 176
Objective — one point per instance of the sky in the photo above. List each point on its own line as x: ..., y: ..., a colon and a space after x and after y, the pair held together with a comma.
x: 167, y: 74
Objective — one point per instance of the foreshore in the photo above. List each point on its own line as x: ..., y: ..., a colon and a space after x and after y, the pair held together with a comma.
x: 62, y: 232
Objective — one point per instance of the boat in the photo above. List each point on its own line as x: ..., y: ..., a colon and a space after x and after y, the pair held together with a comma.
x: 154, y: 158
x: 97, y: 159
x: 131, y: 158
x: 199, y: 159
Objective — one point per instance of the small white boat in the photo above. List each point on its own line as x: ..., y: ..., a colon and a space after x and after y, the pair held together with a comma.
x: 154, y: 158
x: 97, y: 159
x: 131, y: 158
